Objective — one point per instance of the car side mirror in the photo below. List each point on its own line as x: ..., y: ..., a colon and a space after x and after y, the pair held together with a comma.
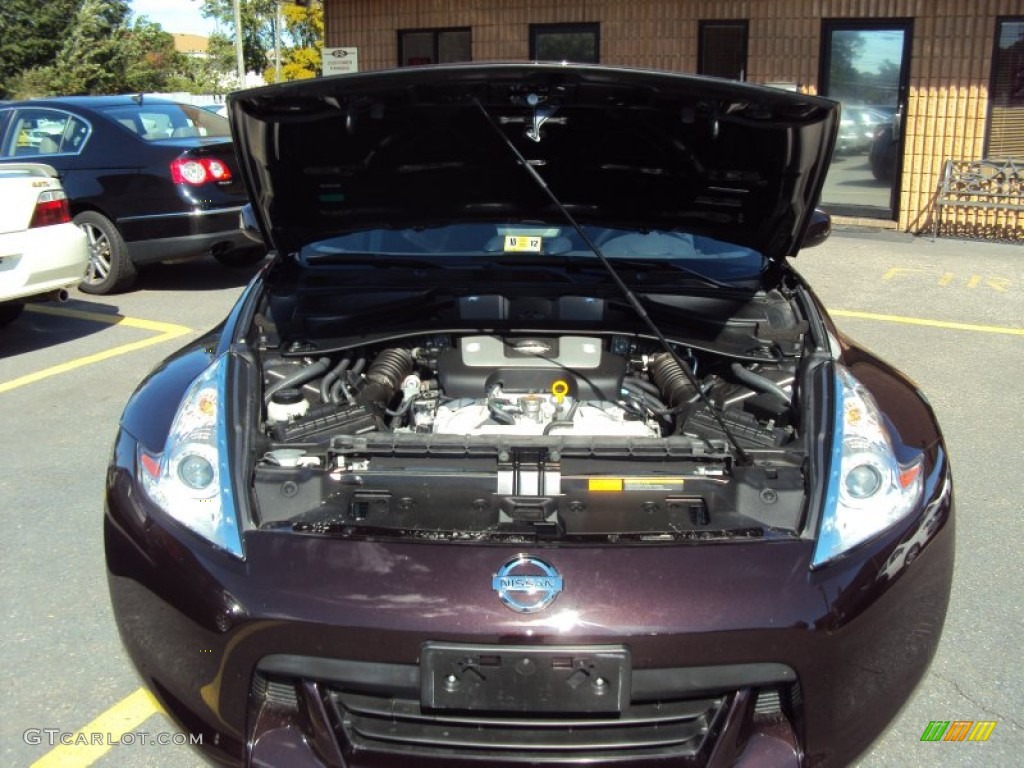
x: 818, y: 230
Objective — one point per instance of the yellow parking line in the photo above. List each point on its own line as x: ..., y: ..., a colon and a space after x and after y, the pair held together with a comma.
x: 930, y: 323
x: 86, y: 746
x: 164, y: 331
x: 99, y: 317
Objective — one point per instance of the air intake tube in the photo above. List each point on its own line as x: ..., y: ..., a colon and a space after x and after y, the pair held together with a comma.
x: 673, y: 382
x: 385, y: 376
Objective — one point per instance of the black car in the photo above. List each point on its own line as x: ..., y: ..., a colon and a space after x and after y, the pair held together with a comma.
x: 148, y: 179
x: 529, y: 446
x: 883, y: 154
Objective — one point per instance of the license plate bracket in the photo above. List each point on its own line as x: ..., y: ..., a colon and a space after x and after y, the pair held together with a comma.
x: 585, y: 679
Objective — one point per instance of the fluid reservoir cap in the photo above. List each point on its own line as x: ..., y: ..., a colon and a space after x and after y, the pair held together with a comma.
x: 286, y: 404
x: 287, y: 396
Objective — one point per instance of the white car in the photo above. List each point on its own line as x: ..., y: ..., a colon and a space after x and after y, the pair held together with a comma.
x: 42, y: 253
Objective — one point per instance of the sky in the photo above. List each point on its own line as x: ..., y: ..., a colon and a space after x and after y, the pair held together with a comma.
x: 174, y: 15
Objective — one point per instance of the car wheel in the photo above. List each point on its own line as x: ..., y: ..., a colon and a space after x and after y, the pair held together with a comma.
x: 241, y: 257
x: 110, y: 270
x: 9, y: 313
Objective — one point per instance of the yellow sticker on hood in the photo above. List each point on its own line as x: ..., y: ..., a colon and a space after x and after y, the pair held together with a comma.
x: 523, y: 243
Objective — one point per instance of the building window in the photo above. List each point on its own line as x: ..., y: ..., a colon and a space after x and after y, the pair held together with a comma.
x: 566, y: 42
x: 722, y: 49
x: 434, y: 46
x: 1006, y: 105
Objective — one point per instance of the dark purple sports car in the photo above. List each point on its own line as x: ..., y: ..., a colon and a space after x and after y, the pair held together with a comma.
x: 528, y: 446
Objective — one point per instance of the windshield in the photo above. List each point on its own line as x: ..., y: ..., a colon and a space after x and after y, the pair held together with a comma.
x: 155, y: 122
x: 465, y: 242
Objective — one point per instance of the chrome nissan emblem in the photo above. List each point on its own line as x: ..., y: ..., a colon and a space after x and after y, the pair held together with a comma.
x: 527, y: 584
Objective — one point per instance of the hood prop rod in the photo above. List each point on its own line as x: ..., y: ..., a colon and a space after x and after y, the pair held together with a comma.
x: 631, y: 297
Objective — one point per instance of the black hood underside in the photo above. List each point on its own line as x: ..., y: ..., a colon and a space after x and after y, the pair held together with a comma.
x: 426, y: 146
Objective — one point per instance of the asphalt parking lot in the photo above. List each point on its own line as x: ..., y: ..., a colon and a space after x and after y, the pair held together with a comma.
x: 949, y: 313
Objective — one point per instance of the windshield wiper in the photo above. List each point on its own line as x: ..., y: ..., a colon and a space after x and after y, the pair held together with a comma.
x: 630, y: 296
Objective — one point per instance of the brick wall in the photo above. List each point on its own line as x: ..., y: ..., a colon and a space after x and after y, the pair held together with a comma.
x: 952, y: 49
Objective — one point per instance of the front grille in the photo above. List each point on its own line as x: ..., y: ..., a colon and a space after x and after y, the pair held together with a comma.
x: 664, y: 728
x: 276, y: 691
x: 373, y: 709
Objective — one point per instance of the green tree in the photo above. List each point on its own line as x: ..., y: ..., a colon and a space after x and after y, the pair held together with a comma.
x: 257, y: 27
x: 90, y: 61
x: 105, y: 51
x: 209, y: 74
x: 148, y: 59
x: 31, y: 34
x: 844, y: 79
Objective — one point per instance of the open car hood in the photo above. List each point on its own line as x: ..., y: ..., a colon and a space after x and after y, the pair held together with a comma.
x: 424, y: 146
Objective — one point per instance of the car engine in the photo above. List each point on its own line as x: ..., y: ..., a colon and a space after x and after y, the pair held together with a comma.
x: 487, y: 384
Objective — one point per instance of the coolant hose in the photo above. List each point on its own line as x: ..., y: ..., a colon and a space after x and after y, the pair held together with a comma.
x: 760, y: 383
x: 648, y: 401
x: 643, y: 384
x: 565, y: 423
x: 340, y: 387
x: 327, y: 381
x: 298, y: 378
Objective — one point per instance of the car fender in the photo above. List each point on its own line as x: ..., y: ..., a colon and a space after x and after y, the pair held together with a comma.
x: 151, y: 408
x: 906, y: 407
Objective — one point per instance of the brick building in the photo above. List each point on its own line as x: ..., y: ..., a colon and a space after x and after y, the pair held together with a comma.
x: 944, y: 77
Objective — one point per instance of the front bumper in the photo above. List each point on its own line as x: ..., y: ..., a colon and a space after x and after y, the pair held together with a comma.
x: 309, y: 652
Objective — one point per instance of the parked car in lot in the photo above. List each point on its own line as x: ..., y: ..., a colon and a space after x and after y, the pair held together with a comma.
x: 42, y: 253
x: 529, y: 445
x: 217, y: 109
x: 148, y: 180
x: 883, y: 154
x: 857, y: 128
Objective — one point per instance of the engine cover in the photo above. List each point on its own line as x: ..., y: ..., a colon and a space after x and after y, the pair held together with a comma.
x: 533, y: 364
x: 534, y: 415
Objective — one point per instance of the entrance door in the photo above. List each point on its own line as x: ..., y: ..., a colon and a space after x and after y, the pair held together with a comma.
x: 865, y: 66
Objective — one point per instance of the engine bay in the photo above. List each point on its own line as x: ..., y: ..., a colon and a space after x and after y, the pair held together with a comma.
x: 570, y: 385
x: 481, y: 425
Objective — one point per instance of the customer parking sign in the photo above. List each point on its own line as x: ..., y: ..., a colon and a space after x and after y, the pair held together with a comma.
x: 340, y: 61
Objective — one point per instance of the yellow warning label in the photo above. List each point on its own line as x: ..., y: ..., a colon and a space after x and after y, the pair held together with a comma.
x: 668, y: 484
x: 618, y: 484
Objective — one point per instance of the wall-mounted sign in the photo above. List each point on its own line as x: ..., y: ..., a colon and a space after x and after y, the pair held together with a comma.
x: 340, y: 61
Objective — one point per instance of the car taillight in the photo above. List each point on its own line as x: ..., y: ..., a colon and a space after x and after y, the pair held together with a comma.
x: 51, y: 208
x: 198, y: 170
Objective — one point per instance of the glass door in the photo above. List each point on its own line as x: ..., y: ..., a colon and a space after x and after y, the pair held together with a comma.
x: 865, y: 66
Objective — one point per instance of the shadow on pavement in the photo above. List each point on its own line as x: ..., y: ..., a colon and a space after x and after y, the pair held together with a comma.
x: 39, y: 327
x: 205, y: 274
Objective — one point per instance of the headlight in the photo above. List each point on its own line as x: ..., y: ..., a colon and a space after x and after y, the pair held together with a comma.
x: 868, y: 489
x: 191, y: 480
